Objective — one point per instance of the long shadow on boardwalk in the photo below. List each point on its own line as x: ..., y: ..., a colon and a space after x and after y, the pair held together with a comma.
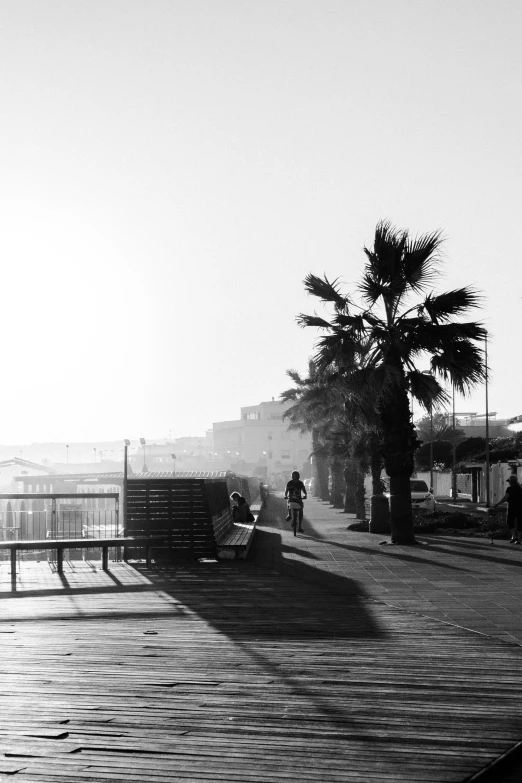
x: 263, y: 670
x: 271, y: 595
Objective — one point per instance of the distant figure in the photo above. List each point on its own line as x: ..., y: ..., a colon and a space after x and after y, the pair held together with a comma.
x: 263, y: 493
x: 296, y: 491
x: 513, y: 498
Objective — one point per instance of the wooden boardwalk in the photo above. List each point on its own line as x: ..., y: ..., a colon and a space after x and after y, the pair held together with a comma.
x: 235, y: 671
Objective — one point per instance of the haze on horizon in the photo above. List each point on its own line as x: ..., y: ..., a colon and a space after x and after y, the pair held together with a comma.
x: 171, y: 171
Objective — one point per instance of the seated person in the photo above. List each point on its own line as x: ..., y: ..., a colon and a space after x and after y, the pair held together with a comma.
x: 240, y: 508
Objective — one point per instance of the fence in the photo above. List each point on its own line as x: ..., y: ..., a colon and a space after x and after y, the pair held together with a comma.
x: 31, y: 517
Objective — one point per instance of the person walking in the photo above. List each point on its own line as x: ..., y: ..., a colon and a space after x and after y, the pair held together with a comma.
x: 513, y: 497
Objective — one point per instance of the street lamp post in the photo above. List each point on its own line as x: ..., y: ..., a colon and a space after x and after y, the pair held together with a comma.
x: 174, y: 460
x: 67, y: 454
x: 143, y: 443
x: 454, y: 455
x: 431, y: 449
x: 487, y: 419
x: 124, y: 488
x: 94, y: 449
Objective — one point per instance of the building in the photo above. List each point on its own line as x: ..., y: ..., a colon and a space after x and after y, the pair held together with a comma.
x: 10, y: 469
x: 260, y: 443
x: 474, y: 424
x: 190, y: 453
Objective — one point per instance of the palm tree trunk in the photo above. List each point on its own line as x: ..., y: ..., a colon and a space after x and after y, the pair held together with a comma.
x: 350, y: 482
x: 319, y: 469
x: 337, y: 496
x: 399, y: 449
x: 376, y: 466
x: 379, y: 507
x: 360, y: 508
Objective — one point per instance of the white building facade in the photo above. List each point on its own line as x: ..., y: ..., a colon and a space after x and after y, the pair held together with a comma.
x: 261, y: 443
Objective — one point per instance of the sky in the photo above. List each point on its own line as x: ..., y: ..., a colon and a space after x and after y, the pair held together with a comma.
x: 171, y: 170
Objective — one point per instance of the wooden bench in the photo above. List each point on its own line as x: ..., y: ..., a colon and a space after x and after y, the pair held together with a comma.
x: 149, y: 542
x: 235, y: 540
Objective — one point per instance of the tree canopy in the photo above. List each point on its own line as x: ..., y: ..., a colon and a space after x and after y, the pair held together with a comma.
x: 393, y: 337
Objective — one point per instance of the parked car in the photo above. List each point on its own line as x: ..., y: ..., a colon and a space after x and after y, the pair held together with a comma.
x: 421, y: 497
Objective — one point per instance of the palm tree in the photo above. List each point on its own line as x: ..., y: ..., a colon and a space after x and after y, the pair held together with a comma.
x: 339, y: 442
x: 437, y: 428
x: 307, y: 415
x: 379, y: 346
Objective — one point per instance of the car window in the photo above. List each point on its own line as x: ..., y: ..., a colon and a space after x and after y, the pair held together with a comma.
x: 418, y: 486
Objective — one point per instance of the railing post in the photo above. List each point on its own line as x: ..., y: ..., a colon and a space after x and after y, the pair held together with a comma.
x: 13, y: 569
x: 54, y: 529
x: 59, y: 560
x: 54, y: 526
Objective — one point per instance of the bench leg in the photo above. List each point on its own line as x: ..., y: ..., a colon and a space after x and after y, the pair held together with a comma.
x: 13, y: 570
x: 105, y: 558
x: 148, y: 556
x: 59, y: 560
x: 125, y: 554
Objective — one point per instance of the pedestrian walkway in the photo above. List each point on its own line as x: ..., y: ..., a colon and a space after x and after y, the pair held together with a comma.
x: 304, y: 663
x: 465, y: 581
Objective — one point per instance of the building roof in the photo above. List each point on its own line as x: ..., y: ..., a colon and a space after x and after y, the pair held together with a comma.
x: 23, y: 463
x: 103, y: 478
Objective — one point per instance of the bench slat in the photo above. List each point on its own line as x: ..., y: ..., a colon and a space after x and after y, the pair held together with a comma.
x: 81, y: 543
x: 237, y: 542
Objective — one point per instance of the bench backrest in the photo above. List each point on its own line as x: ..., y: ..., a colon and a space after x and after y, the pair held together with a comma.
x: 183, y: 508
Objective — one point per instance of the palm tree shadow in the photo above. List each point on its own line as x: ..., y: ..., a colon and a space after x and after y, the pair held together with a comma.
x: 395, y: 553
x: 271, y: 595
x: 487, y: 556
x: 275, y: 518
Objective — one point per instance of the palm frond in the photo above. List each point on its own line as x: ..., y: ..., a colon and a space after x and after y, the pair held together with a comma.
x: 426, y: 389
x: 336, y: 349
x: 296, y: 377
x: 444, y: 306
x: 312, y: 320
x: 372, y: 319
x: 325, y: 290
x: 422, y: 260
x: 385, y: 259
x: 290, y: 395
x: 372, y: 289
x: 462, y: 364
x: 355, y: 323
x: 437, y: 338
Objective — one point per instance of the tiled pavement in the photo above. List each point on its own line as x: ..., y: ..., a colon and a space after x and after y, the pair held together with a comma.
x: 464, y: 581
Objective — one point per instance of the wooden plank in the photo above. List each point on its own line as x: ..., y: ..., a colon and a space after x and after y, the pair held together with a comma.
x: 236, y: 672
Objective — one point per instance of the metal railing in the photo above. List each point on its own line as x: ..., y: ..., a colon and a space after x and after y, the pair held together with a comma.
x: 58, y: 519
